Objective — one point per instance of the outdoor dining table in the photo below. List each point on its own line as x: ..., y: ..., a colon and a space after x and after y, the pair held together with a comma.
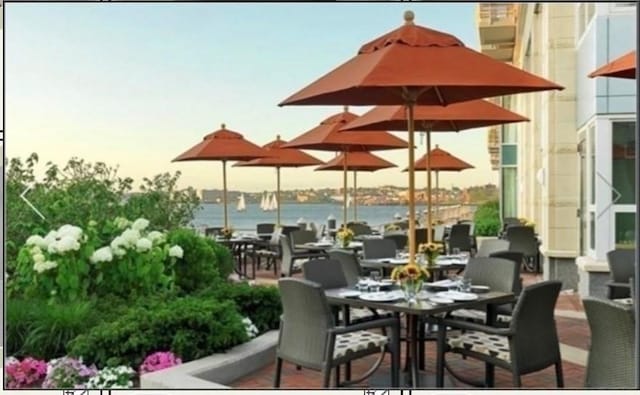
x: 239, y: 247
x: 324, y: 246
x: 422, y: 308
x: 443, y: 265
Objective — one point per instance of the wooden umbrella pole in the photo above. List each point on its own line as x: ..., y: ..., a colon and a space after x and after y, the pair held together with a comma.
x: 278, y: 193
x: 412, y: 202
x: 224, y: 192
x: 429, y: 209
x: 437, y: 202
x: 344, y: 189
x: 355, y: 194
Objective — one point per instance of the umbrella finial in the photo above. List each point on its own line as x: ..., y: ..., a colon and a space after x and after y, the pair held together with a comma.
x: 346, y: 108
x: 223, y: 126
x: 277, y: 137
x: 408, y: 17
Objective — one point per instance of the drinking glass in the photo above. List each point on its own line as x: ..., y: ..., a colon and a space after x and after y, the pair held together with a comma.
x: 363, y: 284
x: 399, y: 254
x: 465, y: 285
x: 375, y: 281
x: 456, y: 251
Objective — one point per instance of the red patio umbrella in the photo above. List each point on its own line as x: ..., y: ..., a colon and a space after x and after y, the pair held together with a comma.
x: 356, y: 161
x: 328, y: 137
x: 281, y: 157
x: 454, y: 117
x: 223, y: 145
x: 622, y: 67
x: 415, y: 65
x: 438, y: 160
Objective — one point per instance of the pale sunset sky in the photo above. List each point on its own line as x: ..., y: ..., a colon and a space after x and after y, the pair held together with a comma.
x: 135, y: 85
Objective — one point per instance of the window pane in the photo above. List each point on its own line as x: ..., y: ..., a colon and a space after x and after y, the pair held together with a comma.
x: 623, y: 166
x: 625, y: 230
x: 509, y: 134
x: 509, y: 155
x: 509, y: 192
x: 592, y: 233
x: 592, y: 164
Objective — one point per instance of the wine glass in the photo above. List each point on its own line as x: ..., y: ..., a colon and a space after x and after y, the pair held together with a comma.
x: 375, y: 280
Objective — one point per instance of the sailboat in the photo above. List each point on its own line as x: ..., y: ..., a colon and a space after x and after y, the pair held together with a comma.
x: 241, y: 204
x: 273, y: 205
x: 264, y: 204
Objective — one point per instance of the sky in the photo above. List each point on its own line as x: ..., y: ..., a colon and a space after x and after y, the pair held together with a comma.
x: 135, y: 85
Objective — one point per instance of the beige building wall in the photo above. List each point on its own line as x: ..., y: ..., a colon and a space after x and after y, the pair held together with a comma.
x: 548, y: 183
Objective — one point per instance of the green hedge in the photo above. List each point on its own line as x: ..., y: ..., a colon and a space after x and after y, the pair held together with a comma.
x: 487, y: 219
x: 190, y: 327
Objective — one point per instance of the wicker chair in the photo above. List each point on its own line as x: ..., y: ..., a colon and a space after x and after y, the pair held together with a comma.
x: 529, y: 344
x: 523, y: 239
x: 301, y: 237
x: 459, y: 238
x: 489, y: 246
x: 310, y: 338
x: 289, y: 256
x: 350, y: 265
x: 265, y: 228
x: 270, y: 251
x: 376, y: 249
x: 621, y: 266
x: 611, y: 362
x: 359, y: 228
x: 400, y: 238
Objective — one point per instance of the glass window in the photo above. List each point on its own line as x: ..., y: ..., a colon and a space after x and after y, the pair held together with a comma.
x: 625, y: 230
x: 623, y: 162
x: 509, y: 155
x: 509, y: 192
x: 592, y: 164
x: 592, y: 233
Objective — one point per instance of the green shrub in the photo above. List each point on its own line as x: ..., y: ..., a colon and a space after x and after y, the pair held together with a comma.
x: 199, y: 266
x: 487, y: 219
x: 260, y: 303
x: 223, y: 257
x: 42, y: 330
x: 190, y: 327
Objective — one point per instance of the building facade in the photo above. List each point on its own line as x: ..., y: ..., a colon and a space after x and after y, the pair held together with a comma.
x: 571, y: 169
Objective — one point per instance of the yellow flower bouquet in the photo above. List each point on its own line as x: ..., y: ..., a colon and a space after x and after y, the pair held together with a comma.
x: 410, y: 277
x: 430, y: 252
x: 227, y: 233
x: 345, y: 236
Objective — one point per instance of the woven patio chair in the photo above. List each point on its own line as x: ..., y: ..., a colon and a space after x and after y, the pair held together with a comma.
x: 376, y: 249
x: 289, y: 256
x: 621, y: 268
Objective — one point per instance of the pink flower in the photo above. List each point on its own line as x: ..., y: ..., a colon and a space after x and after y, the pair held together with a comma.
x: 158, y: 361
x: 25, y: 373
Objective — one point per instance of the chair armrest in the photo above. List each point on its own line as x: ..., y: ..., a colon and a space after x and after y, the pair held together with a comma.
x: 365, y: 325
x: 458, y: 324
x: 302, y: 255
x: 618, y: 285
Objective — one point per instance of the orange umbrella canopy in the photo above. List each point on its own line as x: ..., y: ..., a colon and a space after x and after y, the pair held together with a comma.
x: 454, y: 117
x: 441, y: 160
x: 420, y: 65
x: 223, y: 145
x: 328, y: 137
x: 281, y: 157
x: 358, y: 161
x: 622, y: 67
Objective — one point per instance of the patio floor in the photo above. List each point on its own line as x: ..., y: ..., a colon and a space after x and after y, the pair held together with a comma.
x: 573, y: 332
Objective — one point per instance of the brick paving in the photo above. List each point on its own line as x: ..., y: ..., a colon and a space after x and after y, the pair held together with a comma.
x: 572, y: 332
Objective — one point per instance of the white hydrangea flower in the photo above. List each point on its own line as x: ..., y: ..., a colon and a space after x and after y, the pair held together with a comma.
x: 38, y: 257
x: 36, y: 250
x: 140, y: 224
x: 176, y: 251
x: 71, y: 231
x: 50, y: 238
x: 103, y: 254
x: 252, y: 330
x: 68, y: 243
x: 41, y: 267
x: 36, y: 240
x: 155, y: 236
x: 121, y: 222
x: 53, y: 248
x: 131, y: 237
x: 143, y: 245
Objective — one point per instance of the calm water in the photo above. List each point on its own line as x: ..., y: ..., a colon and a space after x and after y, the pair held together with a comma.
x: 211, y: 214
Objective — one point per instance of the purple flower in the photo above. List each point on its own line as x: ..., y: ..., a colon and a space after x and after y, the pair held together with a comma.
x: 158, y: 361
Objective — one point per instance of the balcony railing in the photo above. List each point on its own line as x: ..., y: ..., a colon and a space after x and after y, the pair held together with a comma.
x: 496, y: 14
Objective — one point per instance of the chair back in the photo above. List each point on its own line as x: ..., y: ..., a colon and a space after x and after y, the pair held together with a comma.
x: 421, y: 236
x: 265, y: 228
x: 302, y: 236
x: 287, y: 229
x: 314, y: 229
x: 498, y: 274
x: 611, y: 362
x: 326, y: 272
x: 460, y: 237
x: 535, y: 343
x: 621, y: 264
x: 305, y: 322
x: 438, y: 233
x: 489, y: 246
x: 376, y: 249
x: 350, y: 265
x: 400, y: 238
x: 359, y: 228
x: 286, y: 252
x: 213, y: 231
x: 522, y: 239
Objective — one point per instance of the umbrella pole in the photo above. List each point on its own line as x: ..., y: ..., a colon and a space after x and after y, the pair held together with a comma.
x: 412, y: 202
x: 224, y: 192
x: 278, y: 194
x: 355, y: 192
x: 429, y: 211
x: 437, y: 202
x: 344, y: 189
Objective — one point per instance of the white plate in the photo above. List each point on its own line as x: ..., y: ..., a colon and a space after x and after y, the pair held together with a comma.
x: 321, y: 244
x: 442, y: 283
x: 480, y: 288
x: 350, y: 294
x: 458, y: 296
x: 396, y: 261
x: 440, y: 300
x: 381, y: 296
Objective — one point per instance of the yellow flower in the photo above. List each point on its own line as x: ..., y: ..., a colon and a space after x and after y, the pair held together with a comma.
x: 409, y: 271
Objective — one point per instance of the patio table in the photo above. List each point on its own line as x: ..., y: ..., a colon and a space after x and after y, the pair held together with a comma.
x: 420, y: 309
x: 446, y: 263
x: 319, y: 246
x: 239, y: 248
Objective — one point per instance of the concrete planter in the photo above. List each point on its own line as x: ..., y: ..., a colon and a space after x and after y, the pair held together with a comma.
x: 218, y: 370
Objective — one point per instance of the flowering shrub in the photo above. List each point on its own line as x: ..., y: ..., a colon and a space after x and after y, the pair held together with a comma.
x: 113, y: 377
x: 67, y: 372
x: 252, y: 330
x: 25, y: 373
x: 158, y: 361
x: 71, y: 263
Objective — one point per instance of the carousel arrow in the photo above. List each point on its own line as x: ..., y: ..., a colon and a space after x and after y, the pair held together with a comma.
x: 29, y: 203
